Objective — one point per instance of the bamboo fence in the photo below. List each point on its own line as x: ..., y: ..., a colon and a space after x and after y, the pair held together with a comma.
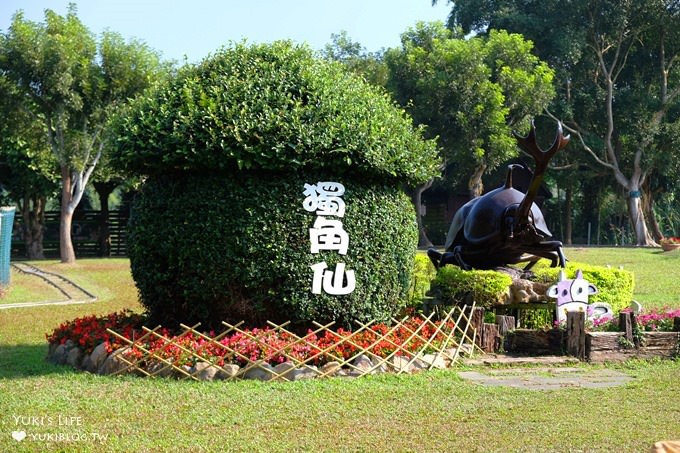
x: 449, y: 338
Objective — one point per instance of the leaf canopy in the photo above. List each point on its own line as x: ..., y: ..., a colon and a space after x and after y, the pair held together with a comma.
x: 271, y: 107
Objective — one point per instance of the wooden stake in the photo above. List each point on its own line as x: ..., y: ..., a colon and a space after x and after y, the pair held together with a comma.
x: 576, y: 334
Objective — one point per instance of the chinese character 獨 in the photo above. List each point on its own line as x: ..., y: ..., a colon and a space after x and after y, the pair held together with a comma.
x: 324, y: 198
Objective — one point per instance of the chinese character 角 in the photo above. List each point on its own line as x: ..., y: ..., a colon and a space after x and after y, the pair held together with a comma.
x: 328, y: 235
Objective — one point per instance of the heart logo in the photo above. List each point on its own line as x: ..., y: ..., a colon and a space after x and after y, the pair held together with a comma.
x: 19, y: 435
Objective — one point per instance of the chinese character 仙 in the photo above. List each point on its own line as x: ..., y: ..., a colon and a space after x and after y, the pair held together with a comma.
x: 333, y: 283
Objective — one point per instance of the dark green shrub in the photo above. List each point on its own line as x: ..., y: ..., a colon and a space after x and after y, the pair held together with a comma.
x: 272, y: 107
x: 213, y: 248
x: 219, y: 231
x: 487, y: 288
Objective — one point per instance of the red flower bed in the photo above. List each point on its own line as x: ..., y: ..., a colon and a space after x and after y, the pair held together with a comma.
x: 273, y: 346
x: 90, y: 331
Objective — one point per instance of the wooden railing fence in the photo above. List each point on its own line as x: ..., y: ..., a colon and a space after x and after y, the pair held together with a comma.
x: 86, y: 231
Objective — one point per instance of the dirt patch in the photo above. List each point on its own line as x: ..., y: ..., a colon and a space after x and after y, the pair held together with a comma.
x: 548, y: 378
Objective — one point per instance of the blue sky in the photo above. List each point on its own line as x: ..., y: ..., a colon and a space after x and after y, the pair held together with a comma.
x: 198, y: 28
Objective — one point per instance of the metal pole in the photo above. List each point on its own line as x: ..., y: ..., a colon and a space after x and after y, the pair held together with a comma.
x: 6, y: 224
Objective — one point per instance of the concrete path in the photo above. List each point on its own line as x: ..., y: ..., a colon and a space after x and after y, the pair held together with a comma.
x: 73, y: 293
x: 548, y: 378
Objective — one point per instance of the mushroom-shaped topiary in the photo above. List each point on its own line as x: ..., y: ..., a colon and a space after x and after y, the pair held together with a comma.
x: 219, y: 231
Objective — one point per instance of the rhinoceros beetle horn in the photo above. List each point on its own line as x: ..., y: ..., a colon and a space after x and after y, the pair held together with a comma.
x: 541, y: 158
x: 503, y: 225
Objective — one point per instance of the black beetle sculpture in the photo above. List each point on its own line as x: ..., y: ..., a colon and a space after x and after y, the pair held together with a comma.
x: 504, y: 226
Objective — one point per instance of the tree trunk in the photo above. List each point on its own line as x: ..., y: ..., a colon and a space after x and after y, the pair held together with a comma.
x: 610, y: 71
x: 657, y: 234
x: 416, y: 199
x: 475, y: 185
x: 637, y: 218
x: 66, y: 250
x: 648, y: 207
x: 33, y: 228
x: 568, y: 214
x: 104, y: 189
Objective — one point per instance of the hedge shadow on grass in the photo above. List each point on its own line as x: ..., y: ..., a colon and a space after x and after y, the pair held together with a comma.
x: 27, y: 360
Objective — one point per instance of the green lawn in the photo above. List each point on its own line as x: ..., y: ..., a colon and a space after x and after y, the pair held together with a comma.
x: 433, y: 411
x: 27, y: 288
x: 655, y: 271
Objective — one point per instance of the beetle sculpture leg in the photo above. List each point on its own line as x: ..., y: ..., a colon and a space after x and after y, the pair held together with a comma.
x: 435, y: 257
x: 455, y: 257
x: 533, y: 259
x: 469, y: 257
x: 463, y: 255
x: 441, y: 259
x: 458, y: 258
x: 551, y: 250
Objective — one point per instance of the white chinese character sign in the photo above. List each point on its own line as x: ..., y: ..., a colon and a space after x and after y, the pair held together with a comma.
x: 324, y: 198
x: 328, y: 234
x: 336, y: 283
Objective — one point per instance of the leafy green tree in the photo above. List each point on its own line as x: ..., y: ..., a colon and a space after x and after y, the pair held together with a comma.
x: 28, y: 175
x: 353, y: 55
x: 127, y: 69
x: 469, y: 92
x: 71, y: 84
x: 619, y: 84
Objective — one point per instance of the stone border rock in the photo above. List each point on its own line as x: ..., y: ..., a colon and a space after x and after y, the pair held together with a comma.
x: 548, y: 377
x: 103, y: 363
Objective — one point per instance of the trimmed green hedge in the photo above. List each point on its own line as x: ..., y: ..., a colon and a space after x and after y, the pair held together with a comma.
x: 487, y: 288
x: 614, y: 286
x: 272, y: 107
x: 219, y: 231
x: 212, y: 248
